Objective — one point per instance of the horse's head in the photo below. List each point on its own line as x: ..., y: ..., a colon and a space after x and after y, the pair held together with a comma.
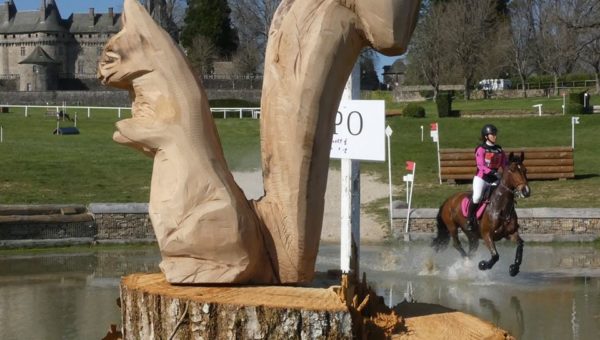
x: 515, y: 176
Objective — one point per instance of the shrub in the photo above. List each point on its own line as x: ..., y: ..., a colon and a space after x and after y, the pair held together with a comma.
x: 427, y: 94
x: 575, y: 108
x: 231, y: 102
x: 576, y: 97
x: 413, y: 110
x: 444, y: 104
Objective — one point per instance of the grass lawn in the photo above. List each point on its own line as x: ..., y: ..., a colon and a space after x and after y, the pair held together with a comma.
x: 38, y: 167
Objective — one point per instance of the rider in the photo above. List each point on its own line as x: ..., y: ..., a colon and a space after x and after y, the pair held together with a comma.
x: 489, y: 158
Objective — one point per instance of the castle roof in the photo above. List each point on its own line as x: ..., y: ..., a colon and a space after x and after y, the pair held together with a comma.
x: 48, y: 19
x: 38, y: 57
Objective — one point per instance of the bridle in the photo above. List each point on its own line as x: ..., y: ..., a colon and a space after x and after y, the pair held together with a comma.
x: 523, y: 183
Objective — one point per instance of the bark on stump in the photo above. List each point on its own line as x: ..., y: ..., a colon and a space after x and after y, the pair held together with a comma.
x: 154, y: 309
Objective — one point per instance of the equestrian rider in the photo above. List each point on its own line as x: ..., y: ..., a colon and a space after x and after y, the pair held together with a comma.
x: 489, y: 158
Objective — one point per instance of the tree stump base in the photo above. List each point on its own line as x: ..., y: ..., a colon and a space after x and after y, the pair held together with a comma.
x: 152, y: 308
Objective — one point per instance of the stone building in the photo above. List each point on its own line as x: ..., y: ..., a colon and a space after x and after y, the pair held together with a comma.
x: 40, y: 51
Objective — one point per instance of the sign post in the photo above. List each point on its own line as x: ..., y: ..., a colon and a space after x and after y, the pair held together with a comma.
x: 410, y: 166
x: 574, y: 120
x: 358, y: 135
x: 436, y: 139
x: 388, y: 133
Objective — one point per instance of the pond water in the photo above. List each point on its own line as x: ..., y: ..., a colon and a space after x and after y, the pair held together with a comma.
x: 72, y: 295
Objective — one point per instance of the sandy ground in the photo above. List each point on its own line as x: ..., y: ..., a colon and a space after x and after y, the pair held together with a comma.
x: 371, y: 189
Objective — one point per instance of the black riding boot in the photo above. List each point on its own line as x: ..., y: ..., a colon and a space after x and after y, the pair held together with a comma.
x: 472, y: 216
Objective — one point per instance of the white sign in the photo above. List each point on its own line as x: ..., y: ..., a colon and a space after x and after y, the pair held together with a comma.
x: 359, y: 131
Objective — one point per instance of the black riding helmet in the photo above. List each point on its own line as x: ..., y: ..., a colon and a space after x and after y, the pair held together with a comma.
x: 488, y: 129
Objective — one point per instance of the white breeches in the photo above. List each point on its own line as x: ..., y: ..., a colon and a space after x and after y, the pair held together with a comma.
x: 479, y: 186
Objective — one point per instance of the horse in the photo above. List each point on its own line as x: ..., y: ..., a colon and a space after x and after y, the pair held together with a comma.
x: 498, y: 220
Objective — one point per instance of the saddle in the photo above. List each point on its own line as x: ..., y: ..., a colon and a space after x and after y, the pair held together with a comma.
x: 464, y: 204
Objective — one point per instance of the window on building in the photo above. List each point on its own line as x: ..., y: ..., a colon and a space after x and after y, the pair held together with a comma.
x: 35, y: 69
x: 29, y: 87
x: 80, y: 65
x: 22, y: 51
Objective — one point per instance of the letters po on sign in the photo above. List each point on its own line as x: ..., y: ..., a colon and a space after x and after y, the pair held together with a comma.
x: 359, y: 131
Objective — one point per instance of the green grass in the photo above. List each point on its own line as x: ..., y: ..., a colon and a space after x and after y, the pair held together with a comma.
x: 550, y: 105
x: 38, y: 167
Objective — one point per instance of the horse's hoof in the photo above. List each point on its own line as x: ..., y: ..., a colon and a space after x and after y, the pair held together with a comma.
x: 483, y: 265
x: 513, y: 270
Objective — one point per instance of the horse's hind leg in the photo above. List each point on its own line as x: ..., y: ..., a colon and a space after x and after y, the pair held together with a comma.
x: 473, y: 243
x: 456, y: 243
x: 513, y: 269
x: 484, y: 265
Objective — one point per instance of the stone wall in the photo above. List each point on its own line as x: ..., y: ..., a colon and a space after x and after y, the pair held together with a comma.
x: 110, y: 98
x: 536, y: 224
x: 129, y: 222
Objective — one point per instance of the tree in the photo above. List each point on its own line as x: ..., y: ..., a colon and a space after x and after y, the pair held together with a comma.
x: 253, y: 20
x: 368, y: 75
x: 166, y: 14
x: 428, y: 51
x: 590, y: 56
x: 210, y: 19
x: 470, y: 35
x: 522, y: 33
x: 557, y: 42
x: 202, y: 54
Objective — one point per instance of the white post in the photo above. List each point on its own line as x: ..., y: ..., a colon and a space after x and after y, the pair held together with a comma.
x: 75, y: 120
x: 539, y: 107
x: 26, y: 109
x: 564, y: 103
x: 119, y: 113
x: 241, y: 114
x: 388, y: 133
x: 57, y: 126
x: 437, y: 142
x: 350, y: 200
x: 412, y: 184
x: 89, y: 109
x: 574, y: 120
x: 1, y: 134
x: 421, y: 133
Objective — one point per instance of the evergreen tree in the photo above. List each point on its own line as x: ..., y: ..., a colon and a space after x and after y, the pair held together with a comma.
x: 210, y: 19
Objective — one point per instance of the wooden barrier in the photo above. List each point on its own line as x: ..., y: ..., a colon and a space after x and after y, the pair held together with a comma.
x: 541, y: 163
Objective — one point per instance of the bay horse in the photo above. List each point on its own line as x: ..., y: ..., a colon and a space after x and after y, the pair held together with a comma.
x: 497, y: 221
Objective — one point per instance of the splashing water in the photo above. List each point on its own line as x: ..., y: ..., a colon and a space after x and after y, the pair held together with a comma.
x: 466, y: 270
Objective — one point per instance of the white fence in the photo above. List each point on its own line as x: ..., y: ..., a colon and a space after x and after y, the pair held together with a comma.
x: 253, y: 112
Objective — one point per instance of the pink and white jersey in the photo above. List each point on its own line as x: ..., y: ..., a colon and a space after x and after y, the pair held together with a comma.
x: 488, y: 158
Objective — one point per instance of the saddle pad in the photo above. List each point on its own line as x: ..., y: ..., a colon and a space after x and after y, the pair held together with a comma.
x: 465, y: 207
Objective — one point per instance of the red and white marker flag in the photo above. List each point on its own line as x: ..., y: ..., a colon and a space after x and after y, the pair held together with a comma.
x: 410, y: 178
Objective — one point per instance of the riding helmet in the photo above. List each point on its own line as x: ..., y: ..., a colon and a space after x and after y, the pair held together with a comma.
x: 488, y: 129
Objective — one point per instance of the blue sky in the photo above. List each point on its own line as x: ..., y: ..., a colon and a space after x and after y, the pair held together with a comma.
x: 67, y: 7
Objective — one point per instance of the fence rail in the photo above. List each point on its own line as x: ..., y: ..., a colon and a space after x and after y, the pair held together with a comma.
x: 253, y: 112
x: 541, y: 163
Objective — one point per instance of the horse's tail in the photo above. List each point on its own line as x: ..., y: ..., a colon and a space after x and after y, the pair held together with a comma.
x: 440, y: 242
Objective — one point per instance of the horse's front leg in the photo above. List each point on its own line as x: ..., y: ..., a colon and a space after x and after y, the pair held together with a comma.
x: 484, y: 265
x: 513, y: 269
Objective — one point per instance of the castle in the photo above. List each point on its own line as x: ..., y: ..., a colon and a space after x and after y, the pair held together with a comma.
x: 41, y: 51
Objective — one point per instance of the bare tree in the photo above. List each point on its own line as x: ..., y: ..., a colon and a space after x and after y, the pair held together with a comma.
x: 428, y: 52
x: 590, y: 56
x: 522, y: 33
x: 203, y: 54
x: 469, y: 33
x: 253, y: 19
x: 167, y: 13
x: 558, y: 43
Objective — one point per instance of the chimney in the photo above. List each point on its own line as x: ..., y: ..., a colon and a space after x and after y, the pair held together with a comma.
x: 5, y: 12
x: 111, y: 13
x: 92, y: 14
x: 43, y: 11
